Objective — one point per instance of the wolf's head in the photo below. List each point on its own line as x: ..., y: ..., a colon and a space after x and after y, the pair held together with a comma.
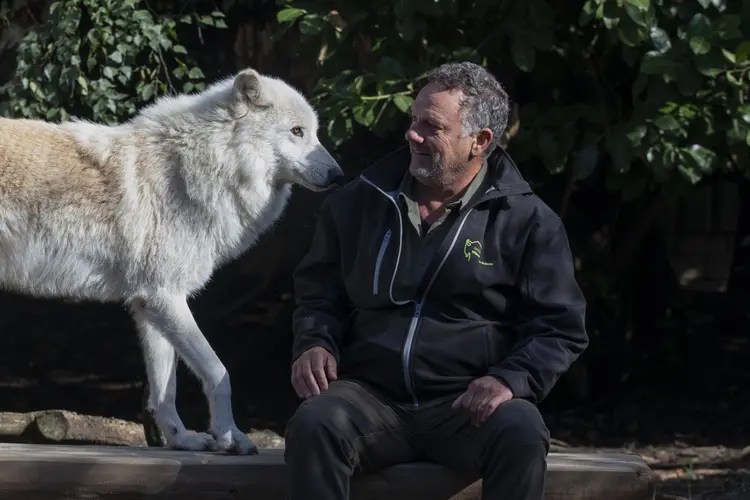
x: 271, y: 111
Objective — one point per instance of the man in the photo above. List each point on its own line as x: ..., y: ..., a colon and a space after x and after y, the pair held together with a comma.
x: 436, y: 306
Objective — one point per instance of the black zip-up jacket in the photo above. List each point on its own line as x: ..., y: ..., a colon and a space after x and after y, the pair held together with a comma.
x: 500, y: 297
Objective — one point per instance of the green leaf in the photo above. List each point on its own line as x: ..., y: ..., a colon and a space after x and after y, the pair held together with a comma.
x: 630, y: 33
x: 311, y: 24
x: 116, y: 56
x: 743, y: 52
x: 196, y: 73
x: 638, y: 17
x: 587, y: 13
x: 688, y: 173
x: 667, y: 122
x: 703, y: 158
x: 641, y: 5
x: 403, y: 102
x: 636, y: 135
x: 654, y: 63
x: 699, y: 25
x: 179, y: 49
x: 585, y: 161
x: 147, y: 91
x: 729, y: 56
x: 83, y: 83
x: 660, y: 39
x: 700, y: 45
x: 289, y: 14
x: 744, y: 112
x: 710, y: 64
x: 727, y: 26
x: 364, y: 113
x: 523, y: 54
x: 733, y: 79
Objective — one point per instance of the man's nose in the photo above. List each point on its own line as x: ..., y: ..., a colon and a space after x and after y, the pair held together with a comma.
x: 413, y: 136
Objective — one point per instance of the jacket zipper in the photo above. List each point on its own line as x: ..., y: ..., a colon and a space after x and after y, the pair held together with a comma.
x: 379, y: 261
x: 400, y: 243
x: 414, y: 324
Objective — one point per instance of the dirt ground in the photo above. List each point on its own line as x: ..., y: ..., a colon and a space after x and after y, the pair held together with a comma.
x: 691, y: 426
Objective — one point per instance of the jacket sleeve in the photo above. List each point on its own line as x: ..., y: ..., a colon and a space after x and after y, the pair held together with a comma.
x: 551, y: 327
x: 322, y: 304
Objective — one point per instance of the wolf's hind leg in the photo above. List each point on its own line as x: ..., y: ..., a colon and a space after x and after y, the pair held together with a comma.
x: 161, y: 369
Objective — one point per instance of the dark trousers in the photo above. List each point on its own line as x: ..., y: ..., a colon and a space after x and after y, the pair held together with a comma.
x: 351, y: 428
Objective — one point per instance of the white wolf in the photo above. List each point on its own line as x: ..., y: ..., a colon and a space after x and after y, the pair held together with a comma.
x: 145, y: 211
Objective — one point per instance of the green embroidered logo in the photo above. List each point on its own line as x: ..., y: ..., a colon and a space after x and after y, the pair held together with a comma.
x: 475, y: 248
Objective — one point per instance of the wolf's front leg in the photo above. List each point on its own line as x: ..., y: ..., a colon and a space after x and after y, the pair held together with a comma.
x: 161, y: 370
x: 171, y: 316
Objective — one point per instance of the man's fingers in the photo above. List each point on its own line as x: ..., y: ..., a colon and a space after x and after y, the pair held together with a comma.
x: 331, y: 367
x: 458, y: 403
x: 309, y: 378
x: 296, y: 379
x: 490, y: 408
x: 471, y: 396
x: 478, y: 398
x: 317, y: 367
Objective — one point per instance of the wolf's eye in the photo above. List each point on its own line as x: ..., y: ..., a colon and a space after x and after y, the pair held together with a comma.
x: 297, y: 131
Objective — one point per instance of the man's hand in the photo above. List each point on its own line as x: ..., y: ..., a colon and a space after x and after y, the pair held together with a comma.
x: 312, y: 371
x: 482, y: 397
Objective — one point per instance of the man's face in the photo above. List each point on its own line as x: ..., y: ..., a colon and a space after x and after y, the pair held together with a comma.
x: 438, y: 152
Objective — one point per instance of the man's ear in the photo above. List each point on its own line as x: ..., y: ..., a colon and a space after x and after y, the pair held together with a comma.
x: 248, y: 91
x: 482, y: 141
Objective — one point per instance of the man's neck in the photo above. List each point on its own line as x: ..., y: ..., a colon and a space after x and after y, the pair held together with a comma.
x: 436, y: 195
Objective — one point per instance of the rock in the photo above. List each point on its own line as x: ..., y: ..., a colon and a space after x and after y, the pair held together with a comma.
x: 266, y: 438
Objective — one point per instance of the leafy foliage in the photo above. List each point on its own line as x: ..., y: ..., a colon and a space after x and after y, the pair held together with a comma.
x: 101, y: 59
x: 653, y: 92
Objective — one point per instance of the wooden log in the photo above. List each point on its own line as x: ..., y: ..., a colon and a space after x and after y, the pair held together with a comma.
x: 13, y: 425
x: 56, y: 472
x: 62, y: 426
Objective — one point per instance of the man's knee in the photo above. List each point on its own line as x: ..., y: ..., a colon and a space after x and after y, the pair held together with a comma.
x: 517, y: 424
x: 320, y: 417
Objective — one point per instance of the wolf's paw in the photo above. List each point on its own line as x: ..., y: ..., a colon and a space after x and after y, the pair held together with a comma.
x: 234, y: 441
x: 198, y: 441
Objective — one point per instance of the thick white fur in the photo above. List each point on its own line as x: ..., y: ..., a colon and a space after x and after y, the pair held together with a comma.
x: 144, y: 213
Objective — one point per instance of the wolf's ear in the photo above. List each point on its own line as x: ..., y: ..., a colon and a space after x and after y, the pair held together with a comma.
x: 248, y: 91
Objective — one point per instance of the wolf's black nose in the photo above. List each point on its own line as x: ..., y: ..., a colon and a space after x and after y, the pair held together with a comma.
x: 335, y: 175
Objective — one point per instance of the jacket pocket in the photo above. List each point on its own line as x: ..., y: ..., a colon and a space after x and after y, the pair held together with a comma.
x: 379, y: 261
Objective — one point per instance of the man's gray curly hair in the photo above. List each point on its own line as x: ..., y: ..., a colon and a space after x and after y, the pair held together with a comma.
x: 485, y: 103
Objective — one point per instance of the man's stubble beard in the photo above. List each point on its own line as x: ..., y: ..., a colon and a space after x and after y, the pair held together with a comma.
x: 440, y: 173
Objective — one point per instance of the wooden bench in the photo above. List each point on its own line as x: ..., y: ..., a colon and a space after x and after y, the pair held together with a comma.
x: 55, y: 472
